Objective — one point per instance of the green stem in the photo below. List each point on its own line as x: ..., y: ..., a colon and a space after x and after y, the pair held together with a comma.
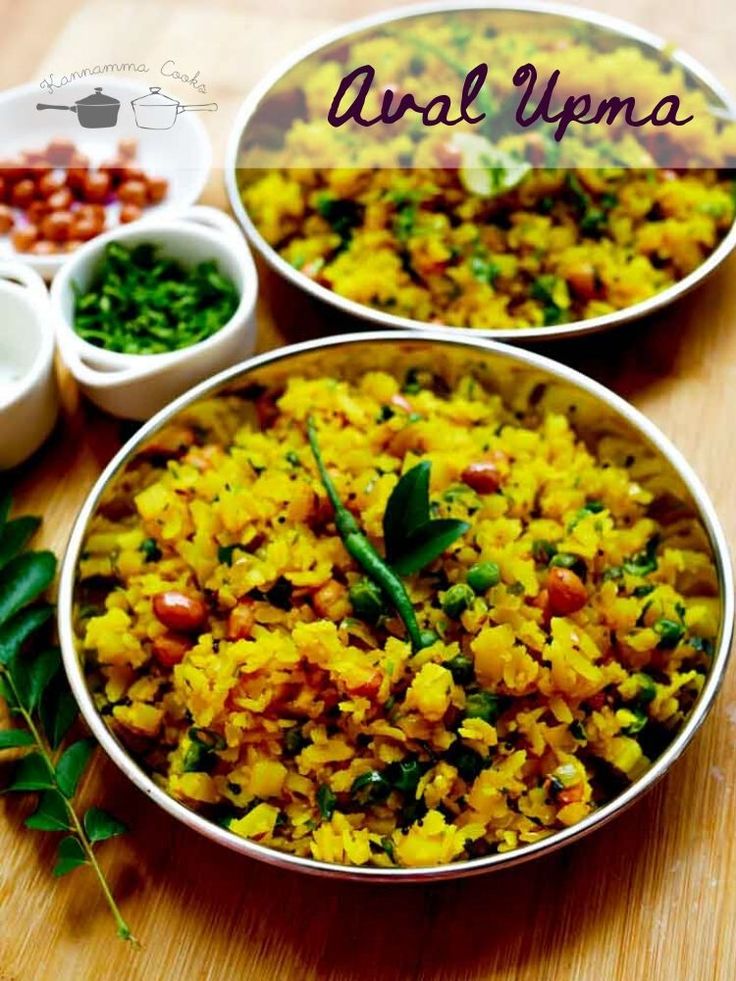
x: 358, y: 546
x: 122, y: 927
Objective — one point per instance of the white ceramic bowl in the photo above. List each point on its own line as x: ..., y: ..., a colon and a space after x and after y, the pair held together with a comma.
x: 136, y: 386
x: 29, y: 400
x: 182, y: 154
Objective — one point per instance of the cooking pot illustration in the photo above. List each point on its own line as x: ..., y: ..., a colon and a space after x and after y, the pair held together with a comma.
x: 96, y: 111
x: 156, y: 110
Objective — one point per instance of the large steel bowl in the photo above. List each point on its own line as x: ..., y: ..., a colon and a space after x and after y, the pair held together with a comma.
x: 598, y: 415
x: 276, y: 84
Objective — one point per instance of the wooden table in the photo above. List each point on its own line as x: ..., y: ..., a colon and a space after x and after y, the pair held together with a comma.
x: 651, y: 896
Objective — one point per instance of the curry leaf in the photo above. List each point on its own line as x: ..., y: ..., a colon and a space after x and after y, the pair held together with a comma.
x: 70, y: 856
x: 15, y: 535
x: 71, y: 766
x: 34, y: 688
x: 33, y: 675
x: 19, y: 628
x: 427, y: 543
x: 12, y: 738
x: 24, y: 579
x: 57, y: 711
x: 407, y: 508
x: 50, y: 815
x: 33, y: 773
x: 100, y: 825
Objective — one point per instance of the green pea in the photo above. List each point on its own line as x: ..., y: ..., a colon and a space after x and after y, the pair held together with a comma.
x: 427, y: 638
x: 457, y: 599
x: 461, y: 668
x: 483, y: 705
x: 670, y: 633
x: 366, y: 600
x: 483, y: 575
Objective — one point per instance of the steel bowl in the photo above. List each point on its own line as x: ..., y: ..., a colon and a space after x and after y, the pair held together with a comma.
x: 598, y: 414
x: 723, y: 105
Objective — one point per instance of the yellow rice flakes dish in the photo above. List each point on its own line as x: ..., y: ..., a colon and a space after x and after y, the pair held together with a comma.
x: 262, y: 699
x: 561, y: 247
x: 388, y: 219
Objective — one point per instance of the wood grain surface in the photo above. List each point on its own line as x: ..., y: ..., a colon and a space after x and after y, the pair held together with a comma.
x: 652, y: 896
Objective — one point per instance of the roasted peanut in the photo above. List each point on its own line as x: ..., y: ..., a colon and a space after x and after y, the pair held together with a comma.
x: 178, y: 611
x: 567, y: 592
x: 331, y: 601
x: 170, y: 649
x: 241, y: 620
x: 483, y: 477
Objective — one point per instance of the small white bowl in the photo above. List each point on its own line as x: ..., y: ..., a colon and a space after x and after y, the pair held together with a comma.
x: 135, y: 386
x: 183, y: 154
x: 29, y: 400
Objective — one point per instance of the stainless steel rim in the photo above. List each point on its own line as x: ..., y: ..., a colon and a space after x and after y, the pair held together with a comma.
x: 647, y: 429
x: 513, y: 335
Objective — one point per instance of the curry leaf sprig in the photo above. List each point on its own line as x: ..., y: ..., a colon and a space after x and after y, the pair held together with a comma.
x: 36, y: 694
x: 412, y: 539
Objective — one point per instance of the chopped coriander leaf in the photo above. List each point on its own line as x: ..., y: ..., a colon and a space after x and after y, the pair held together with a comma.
x: 702, y: 645
x: 342, y: 214
x: 466, y: 761
x: 326, y: 801
x: 150, y: 549
x: 638, y: 720
x: 613, y: 573
x: 225, y: 553
x: 543, y: 551
x: 406, y: 776
x: 412, y: 385
x: 647, y: 689
x: 577, y: 730
x: 462, y: 669
x: 370, y: 788
x: 670, y: 633
x: 645, y: 561
x: 484, y: 269
x: 641, y: 591
x: 140, y: 302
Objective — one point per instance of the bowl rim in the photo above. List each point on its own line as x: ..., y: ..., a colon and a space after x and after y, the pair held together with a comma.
x: 18, y: 280
x: 125, y: 762
x: 513, y: 335
x: 169, y: 225
x: 47, y: 265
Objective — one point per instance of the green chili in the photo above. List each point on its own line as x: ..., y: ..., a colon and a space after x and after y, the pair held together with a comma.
x: 358, y: 546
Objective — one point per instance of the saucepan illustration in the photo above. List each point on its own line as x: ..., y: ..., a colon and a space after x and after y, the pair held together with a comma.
x: 156, y: 110
x: 96, y: 111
